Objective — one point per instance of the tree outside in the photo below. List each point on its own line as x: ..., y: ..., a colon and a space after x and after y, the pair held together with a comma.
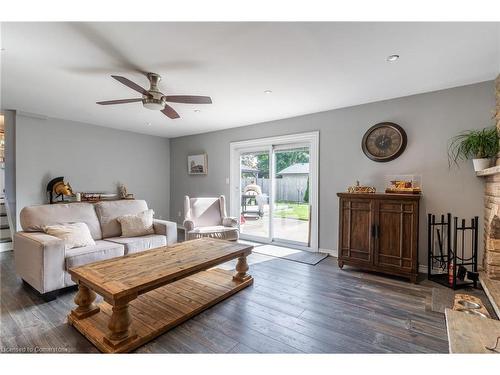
x: 283, y: 160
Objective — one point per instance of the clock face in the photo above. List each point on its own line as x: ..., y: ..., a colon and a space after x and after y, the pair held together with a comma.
x: 384, y: 142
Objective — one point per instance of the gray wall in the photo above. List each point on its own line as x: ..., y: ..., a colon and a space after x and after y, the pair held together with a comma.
x: 91, y: 158
x: 429, y: 119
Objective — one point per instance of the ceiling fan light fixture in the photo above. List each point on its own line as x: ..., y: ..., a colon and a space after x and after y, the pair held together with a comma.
x: 153, y: 104
x: 153, y: 99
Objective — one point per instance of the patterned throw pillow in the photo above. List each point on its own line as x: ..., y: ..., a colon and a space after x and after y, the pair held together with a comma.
x: 73, y: 234
x: 140, y: 224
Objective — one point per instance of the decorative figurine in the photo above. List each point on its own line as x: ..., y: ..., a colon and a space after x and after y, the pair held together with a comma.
x: 56, y: 188
x: 361, y: 189
x: 403, y: 184
x: 123, y: 193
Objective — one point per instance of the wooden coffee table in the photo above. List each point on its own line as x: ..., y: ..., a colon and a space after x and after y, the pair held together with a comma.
x: 146, y: 294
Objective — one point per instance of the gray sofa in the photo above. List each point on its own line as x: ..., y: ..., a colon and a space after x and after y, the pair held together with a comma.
x: 42, y: 261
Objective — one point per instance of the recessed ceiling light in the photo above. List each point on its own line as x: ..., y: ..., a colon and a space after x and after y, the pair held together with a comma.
x: 148, y: 123
x: 197, y: 110
x: 392, y: 58
x: 268, y: 92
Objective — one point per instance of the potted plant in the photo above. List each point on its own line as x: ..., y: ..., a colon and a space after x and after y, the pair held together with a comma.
x: 479, y: 145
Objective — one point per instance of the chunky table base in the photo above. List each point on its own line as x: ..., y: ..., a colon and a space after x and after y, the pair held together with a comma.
x: 160, y: 310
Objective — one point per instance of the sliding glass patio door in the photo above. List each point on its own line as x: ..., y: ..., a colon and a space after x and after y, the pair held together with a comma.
x: 291, y: 207
x: 274, y: 192
x: 255, y: 192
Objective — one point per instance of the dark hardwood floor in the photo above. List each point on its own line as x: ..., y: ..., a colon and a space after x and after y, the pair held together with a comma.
x: 291, y: 308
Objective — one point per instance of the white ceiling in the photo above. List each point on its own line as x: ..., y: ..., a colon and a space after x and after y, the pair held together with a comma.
x: 61, y: 69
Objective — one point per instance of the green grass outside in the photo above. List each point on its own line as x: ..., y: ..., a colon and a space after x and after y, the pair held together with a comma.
x: 292, y: 210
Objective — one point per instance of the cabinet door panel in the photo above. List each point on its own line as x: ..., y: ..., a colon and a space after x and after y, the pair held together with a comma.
x: 397, y: 223
x: 356, y: 230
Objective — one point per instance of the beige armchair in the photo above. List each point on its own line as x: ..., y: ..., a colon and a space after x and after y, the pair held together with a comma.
x: 206, y: 217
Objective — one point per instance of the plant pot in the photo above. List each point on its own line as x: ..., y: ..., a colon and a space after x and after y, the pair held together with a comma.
x: 480, y: 164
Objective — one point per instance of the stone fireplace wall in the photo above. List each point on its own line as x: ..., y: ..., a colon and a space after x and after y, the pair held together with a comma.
x: 491, y: 261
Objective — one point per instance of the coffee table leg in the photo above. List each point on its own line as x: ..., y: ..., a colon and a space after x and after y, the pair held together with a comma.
x: 241, y: 270
x: 85, y: 300
x: 119, y: 326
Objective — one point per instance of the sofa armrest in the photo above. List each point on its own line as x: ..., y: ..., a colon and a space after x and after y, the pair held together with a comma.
x: 188, y: 225
x: 39, y: 260
x: 230, y: 222
x: 167, y: 228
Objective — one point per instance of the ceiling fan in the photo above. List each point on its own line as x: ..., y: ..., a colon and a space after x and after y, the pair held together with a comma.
x: 154, y: 99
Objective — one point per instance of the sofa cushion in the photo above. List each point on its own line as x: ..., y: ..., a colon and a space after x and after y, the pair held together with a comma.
x: 107, y: 212
x: 137, y: 225
x: 35, y: 218
x: 137, y: 244
x: 102, y: 250
x: 73, y: 234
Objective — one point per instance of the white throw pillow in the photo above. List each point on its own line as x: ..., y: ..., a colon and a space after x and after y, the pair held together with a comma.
x: 73, y: 234
x: 137, y: 225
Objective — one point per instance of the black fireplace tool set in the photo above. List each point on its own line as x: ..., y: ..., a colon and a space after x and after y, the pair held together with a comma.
x: 452, y: 251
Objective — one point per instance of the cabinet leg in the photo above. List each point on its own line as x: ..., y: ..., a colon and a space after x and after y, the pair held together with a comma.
x: 341, y: 264
x: 413, y: 278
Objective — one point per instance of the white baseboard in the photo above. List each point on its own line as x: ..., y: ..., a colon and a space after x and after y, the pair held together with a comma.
x: 9, y: 217
x: 333, y: 253
x: 6, y: 246
x: 421, y: 267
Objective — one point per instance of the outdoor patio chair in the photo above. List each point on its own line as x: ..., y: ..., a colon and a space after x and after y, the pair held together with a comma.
x: 206, y: 217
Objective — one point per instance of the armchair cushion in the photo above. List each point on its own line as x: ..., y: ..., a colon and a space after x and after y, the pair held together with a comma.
x: 203, y: 211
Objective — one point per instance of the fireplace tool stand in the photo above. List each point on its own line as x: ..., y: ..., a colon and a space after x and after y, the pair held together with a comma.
x: 452, y: 251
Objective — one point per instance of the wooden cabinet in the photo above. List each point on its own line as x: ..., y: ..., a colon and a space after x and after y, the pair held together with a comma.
x: 379, y: 232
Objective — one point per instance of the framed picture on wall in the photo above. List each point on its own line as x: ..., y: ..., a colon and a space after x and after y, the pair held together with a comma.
x: 197, y: 164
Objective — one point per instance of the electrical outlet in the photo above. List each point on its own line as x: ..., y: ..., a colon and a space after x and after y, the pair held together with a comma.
x: 179, y: 214
x: 227, y: 180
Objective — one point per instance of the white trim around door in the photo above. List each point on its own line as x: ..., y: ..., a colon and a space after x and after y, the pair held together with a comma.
x: 309, y: 138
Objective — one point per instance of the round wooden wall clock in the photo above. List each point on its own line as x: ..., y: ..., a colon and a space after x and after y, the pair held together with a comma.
x: 384, y: 142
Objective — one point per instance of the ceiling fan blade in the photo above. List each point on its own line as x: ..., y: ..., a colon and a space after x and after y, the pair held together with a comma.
x: 170, y: 112
x: 120, y: 101
x: 134, y: 86
x: 190, y: 99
